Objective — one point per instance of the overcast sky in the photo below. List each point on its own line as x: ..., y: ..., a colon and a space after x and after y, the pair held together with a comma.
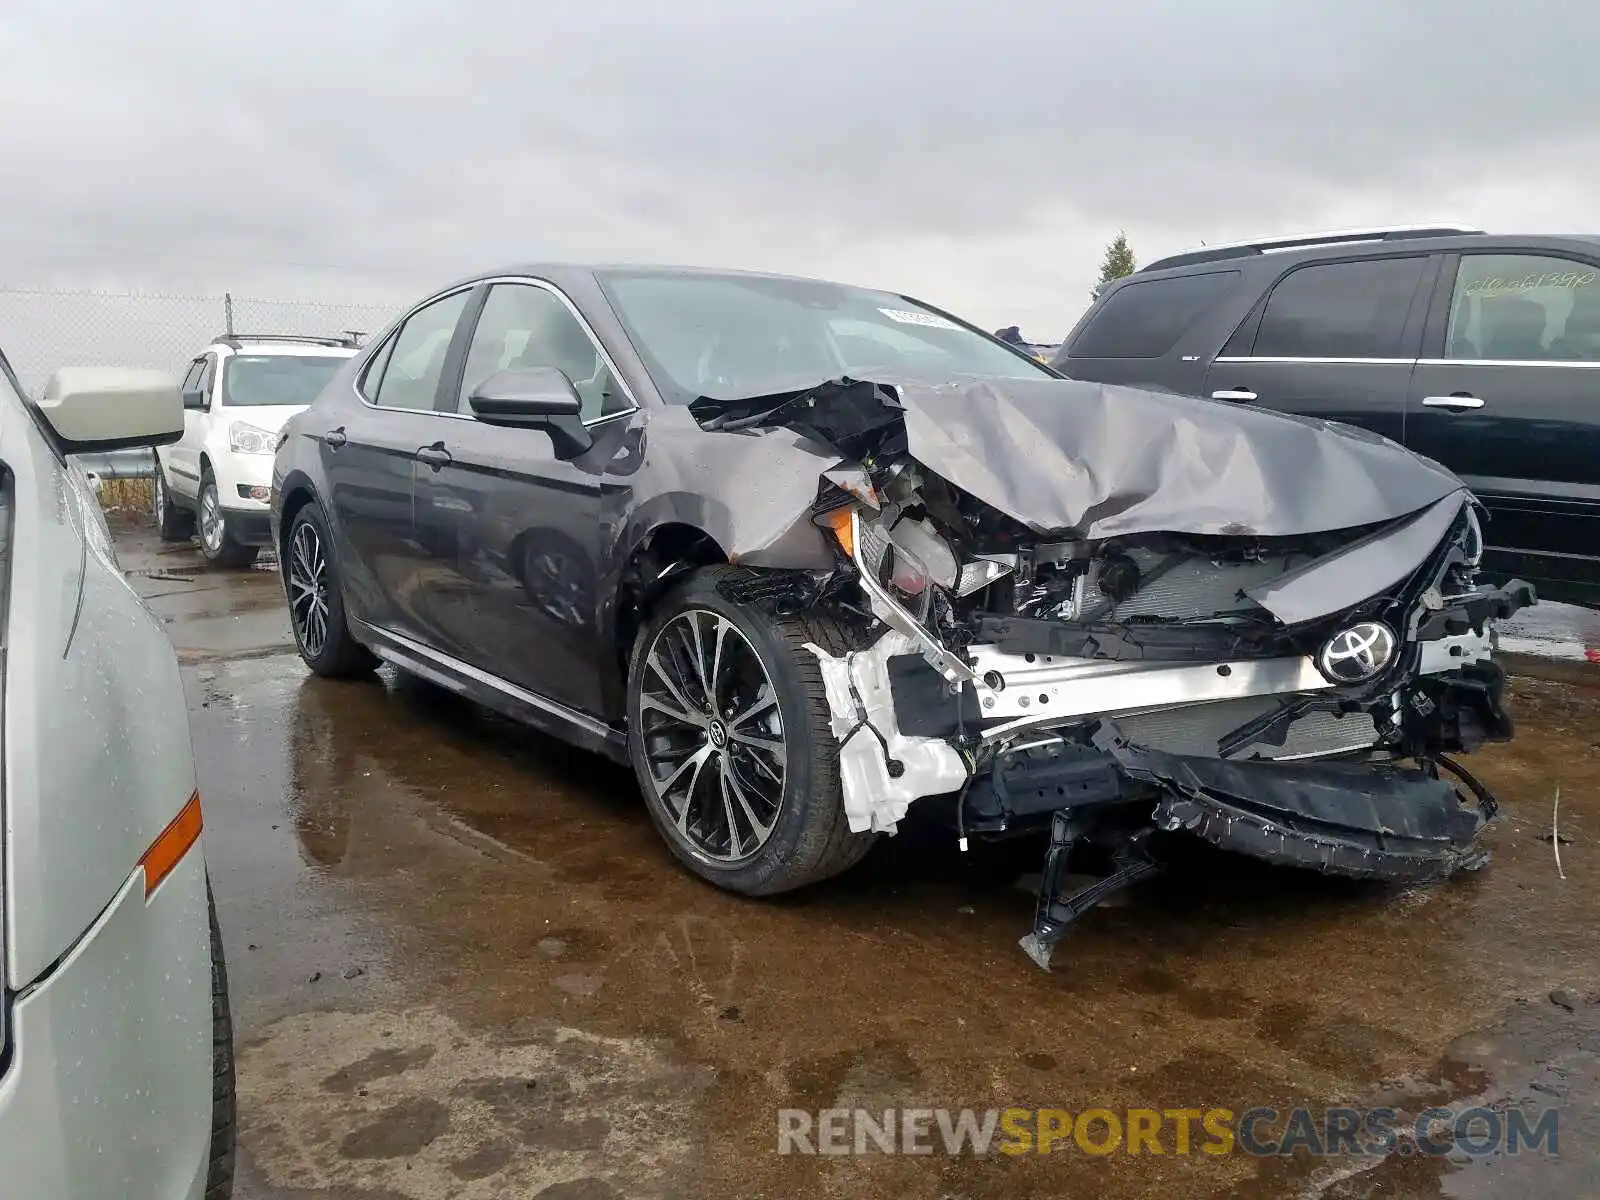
x: 977, y: 155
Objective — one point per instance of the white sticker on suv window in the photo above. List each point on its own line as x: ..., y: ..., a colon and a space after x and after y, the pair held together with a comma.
x: 907, y: 317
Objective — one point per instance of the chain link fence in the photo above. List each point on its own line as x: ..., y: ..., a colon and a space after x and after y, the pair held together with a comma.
x: 41, y: 330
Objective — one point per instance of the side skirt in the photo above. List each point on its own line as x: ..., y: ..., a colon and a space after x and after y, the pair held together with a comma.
x: 547, y: 716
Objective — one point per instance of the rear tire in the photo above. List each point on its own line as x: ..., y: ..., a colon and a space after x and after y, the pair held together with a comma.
x: 216, y: 541
x: 174, y: 524
x: 224, y: 1112
x: 785, y: 804
x: 316, y: 599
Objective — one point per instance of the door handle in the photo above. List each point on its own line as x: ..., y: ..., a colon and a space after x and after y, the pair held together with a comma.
x: 1238, y: 395
x: 436, y: 456
x: 334, y: 438
x: 1455, y: 402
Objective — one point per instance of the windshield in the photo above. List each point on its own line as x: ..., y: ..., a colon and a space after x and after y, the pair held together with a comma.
x: 733, y: 336
x: 261, y: 379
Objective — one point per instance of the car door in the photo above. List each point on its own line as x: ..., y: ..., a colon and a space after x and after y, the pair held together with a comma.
x: 513, y: 531
x: 368, y: 445
x: 1507, y: 395
x: 1336, y: 340
x: 182, y: 458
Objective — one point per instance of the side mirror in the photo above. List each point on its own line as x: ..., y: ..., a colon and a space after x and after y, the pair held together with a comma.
x: 534, y: 398
x: 93, y: 410
x: 194, y: 399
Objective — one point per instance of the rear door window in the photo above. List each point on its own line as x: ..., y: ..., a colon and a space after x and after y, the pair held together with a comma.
x: 415, y: 358
x: 1524, y: 308
x: 1145, y: 320
x: 1340, y: 310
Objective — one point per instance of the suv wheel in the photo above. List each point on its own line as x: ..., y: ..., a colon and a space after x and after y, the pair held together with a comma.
x: 216, y: 543
x: 728, y: 731
x: 174, y: 524
x: 316, y: 599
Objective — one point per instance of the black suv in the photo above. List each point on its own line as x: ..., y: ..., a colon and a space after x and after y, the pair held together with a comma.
x: 1480, y: 351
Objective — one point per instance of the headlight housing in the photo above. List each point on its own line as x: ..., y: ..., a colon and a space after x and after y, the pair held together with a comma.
x: 244, y: 438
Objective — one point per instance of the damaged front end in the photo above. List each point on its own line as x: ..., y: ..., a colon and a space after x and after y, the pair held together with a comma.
x: 1120, y: 615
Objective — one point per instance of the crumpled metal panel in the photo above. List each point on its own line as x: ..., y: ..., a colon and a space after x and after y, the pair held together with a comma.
x: 1348, y: 576
x: 1099, y: 461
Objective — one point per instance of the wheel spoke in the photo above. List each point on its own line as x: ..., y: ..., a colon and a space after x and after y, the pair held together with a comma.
x: 730, y: 779
x: 699, y: 666
x: 735, y: 842
x: 681, y: 715
x: 697, y: 652
x: 760, y: 704
x: 696, y: 762
x: 687, y: 709
x: 712, y: 695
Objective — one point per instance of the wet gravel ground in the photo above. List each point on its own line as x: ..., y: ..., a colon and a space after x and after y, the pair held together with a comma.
x: 464, y: 966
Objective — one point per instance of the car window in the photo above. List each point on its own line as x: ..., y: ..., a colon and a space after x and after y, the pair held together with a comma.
x: 372, y: 375
x: 527, y: 326
x: 416, y: 356
x: 263, y: 379
x: 1524, y: 307
x: 191, y: 378
x: 1340, y: 310
x: 733, y: 336
x: 1145, y: 320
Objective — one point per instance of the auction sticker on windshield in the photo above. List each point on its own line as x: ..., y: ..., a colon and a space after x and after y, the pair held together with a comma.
x: 907, y: 317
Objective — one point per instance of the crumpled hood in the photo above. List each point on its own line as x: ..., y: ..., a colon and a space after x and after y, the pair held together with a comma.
x: 1100, y: 461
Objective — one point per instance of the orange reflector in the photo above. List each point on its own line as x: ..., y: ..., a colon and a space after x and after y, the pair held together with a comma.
x: 167, y: 851
x: 839, y: 521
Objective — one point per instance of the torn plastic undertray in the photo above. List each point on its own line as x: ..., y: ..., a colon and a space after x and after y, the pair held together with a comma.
x: 1362, y: 820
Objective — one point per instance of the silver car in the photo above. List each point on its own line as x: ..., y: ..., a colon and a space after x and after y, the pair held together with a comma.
x: 116, y: 1078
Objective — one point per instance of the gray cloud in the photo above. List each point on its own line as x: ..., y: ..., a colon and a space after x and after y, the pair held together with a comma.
x: 981, y: 158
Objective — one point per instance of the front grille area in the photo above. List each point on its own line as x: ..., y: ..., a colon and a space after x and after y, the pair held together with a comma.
x: 1196, y: 729
x: 1189, y: 589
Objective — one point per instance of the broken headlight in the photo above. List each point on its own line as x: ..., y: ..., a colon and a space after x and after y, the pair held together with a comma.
x: 910, y: 555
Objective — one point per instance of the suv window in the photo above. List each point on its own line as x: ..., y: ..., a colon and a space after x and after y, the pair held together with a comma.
x: 527, y: 326
x: 410, y: 365
x: 1524, y: 307
x: 207, y: 374
x: 1340, y: 310
x: 1145, y: 320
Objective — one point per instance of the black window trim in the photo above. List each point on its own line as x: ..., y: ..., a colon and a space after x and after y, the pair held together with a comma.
x: 1438, y: 324
x: 210, y: 373
x: 1413, y: 329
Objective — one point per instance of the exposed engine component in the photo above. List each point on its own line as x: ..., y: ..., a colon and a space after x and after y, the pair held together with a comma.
x: 1068, y: 648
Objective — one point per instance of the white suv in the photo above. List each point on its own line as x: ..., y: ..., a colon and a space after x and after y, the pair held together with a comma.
x: 236, y: 396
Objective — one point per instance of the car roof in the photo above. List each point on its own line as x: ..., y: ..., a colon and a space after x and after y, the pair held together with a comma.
x: 1240, y: 256
x: 567, y: 272
x: 285, y: 344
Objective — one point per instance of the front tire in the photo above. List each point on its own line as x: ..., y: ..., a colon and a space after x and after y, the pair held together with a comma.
x: 316, y: 600
x: 216, y: 540
x: 172, y: 523
x: 729, y: 735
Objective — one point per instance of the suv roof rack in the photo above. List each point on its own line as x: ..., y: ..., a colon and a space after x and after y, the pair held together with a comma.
x: 350, y: 338
x: 1330, y: 237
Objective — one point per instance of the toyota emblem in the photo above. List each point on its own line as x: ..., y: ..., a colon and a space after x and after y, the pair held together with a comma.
x: 1357, y: 654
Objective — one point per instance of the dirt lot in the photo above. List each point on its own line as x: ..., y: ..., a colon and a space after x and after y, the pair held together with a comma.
x: 464, y: 966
